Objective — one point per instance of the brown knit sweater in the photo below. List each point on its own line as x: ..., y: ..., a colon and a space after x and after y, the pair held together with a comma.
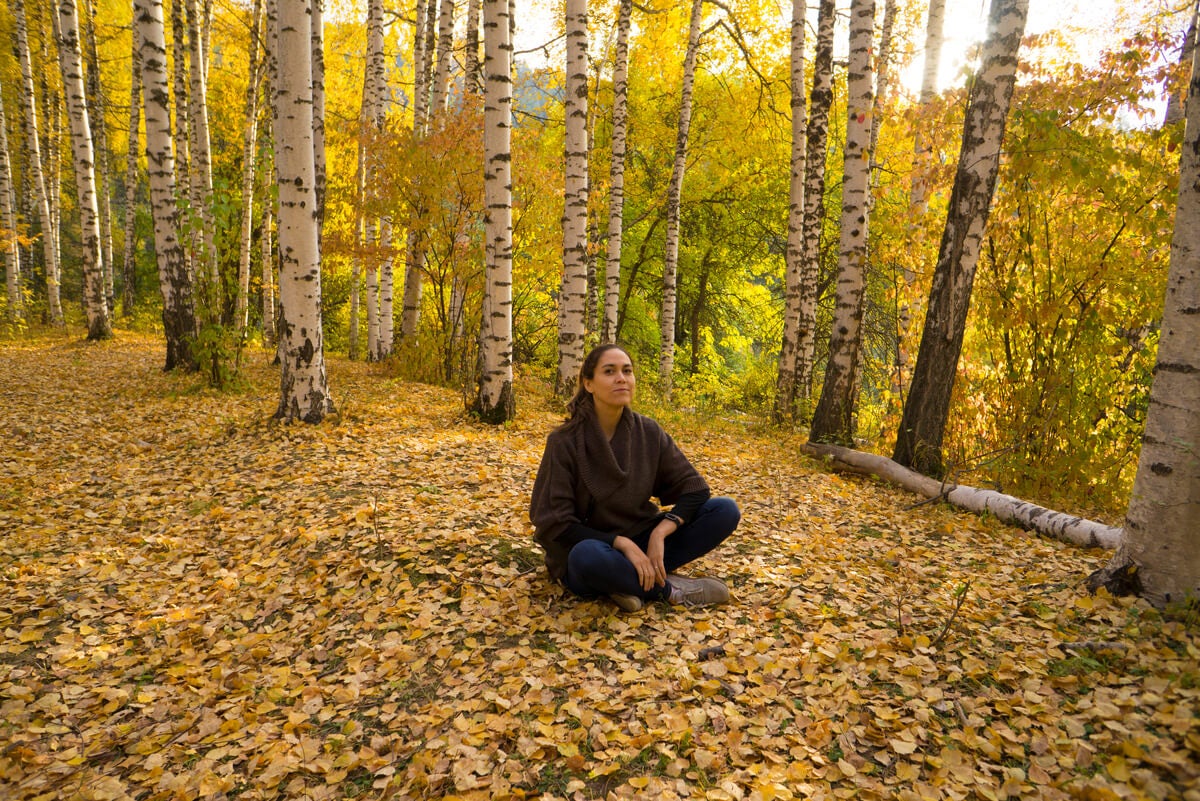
x: 604, y: 488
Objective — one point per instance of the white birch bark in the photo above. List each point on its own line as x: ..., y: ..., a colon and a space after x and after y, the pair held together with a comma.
x: 70, y: 56
x: 495, y: 402
x: 1162, y: 523
x: 414, y: 252
x: 927, y: 408
x: 96, y: 109
x: 182, y: 134
x: 918, y: 202
x: 383, y: 347
x: 666, y: 361
x: 8, y: 226
x: 35, y: 166
x: 249, y: 152
x: 304, y: 391
x: 174, y: 279
x: 270, y: 296
x: 201, y: 165
x: 445, y: 49
x: 473, y: 80
x: 833, y: 419
x: 131, y: 176
x: 616, y: 201
x: 317, y: 42
x: 785, y: 396
x: 573, y: 295
x: 421, y: 56
x: 815, y: 148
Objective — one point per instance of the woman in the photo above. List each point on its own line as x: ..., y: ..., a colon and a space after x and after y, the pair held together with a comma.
x: 592, y: 507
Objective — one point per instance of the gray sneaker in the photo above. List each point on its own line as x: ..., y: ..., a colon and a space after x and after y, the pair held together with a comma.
x: 697, y: 591
x: 629, y: 603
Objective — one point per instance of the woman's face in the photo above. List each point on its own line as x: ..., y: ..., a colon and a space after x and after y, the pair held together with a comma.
x: 612, y: 382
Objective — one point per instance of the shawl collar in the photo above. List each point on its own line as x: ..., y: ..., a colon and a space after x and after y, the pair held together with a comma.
x: 604, y: 464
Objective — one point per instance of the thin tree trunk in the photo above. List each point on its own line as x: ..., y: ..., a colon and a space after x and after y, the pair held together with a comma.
x: 923, y: 424
x: 318, y: 115
x: 573, y: 297
x: 304, y: 392
x: 270, y: 295
x: 174, y: 278
x: 666, y: 322
x: 833, y: 419
x: 35, y: 166
x: 616, y: 203
x: 918, y: 200
x: 495, y: 402
x: 92, y: 256
x: 445, y: 47
x: 96, y: 110
x: 414, y: 252
x: 386, y: 283
x: 182, y: 137
x: 128, y: 271
x: 1175, y: 100
x: 249, y: 151
x: 473, y: 80
x: 1162, y: 524
x: 785, y: 397
x: 201, y: 166
x: 815, y: 148
x: 8, y: 226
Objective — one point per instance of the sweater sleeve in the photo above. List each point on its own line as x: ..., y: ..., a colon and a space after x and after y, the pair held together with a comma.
x: 689, y: 504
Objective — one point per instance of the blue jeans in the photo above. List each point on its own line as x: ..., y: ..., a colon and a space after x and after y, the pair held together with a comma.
x: 596, y: 568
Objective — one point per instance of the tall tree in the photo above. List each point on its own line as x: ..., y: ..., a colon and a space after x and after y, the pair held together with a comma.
x: 270, y: 192
x: 304, y: 390
x: 414, y: 252
x: 496, y: 402
x: 249, y: 152
x: 174, y: 277
x: 97, y: 105
x: 1162, y: 524
x: 128, y: 272
x: 473, y: 79
x: 366, y: 226
x: 573, y: 297
x: 70, y: 56
x: 182, y: 134
x: 317, y: 59
x: 833, y: 419
x: 445, y: 51
x: 1175, y: 100
x: 666, y: 322
x: 923, y: 424
x: 929, y: 83
x: 8, y: 225
x: 616, y: 183
x: 785, y: 397
x: 816, y: 140
x: 34, y: 164
x: 201, y: 179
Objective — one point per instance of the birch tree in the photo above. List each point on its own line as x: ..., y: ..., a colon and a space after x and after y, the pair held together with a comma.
x: 304, y: 391
x: 96, y: 111
x: 270, y: 192
x: 414, y: 254
x: 131, y: 176
x: 929, y: 81
x: 181, y: 134
x: 1158, y: 546
x: 616, y: 199
x: 70, y: 56
x: 445, y: 46
x: 8, y: 225
x: 249, y: 152
x: 833, y: 419
x: 317, y: 59
x: 923, y: 424
x: 473, y: 80
x: 666, y: 322
x: 174, y: 277
x: 366, y: 225
x: 34, y: 165
x: 201, y: 180
x: 496, y: 402
x: 816, y: 140
x: 573, y: 297
x: 785, y: 397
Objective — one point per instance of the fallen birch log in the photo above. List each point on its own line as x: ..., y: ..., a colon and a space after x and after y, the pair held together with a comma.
x: 1068, y: 528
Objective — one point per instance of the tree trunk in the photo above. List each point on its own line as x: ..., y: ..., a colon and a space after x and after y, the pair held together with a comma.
x: 918, y: 199
x: 1162, y: 524
x: 1175, y: 100
x: 815, y: 147
x: 414, y: 252
x: 445, y: 45
x: 833, y: 419
x: 473, y: 80
x: 304, y: 391
x: 383, y: 347
x: 270, y: 192
x: 128, y: 271
x: 317, y: 42
x: 34, y: 165
x: 572, y: 299
x: 616, y: 203
x: 495, y: 402
x: 919, y: 440
x: 70, y: 56
x: 182, y: 137
x: 201, y: 166
x: 8, y: 226
x: 1068, y: 528
x: 666, y: 322
x: 785, y: 395
x: 174, y: 278
x: 249, y: 151
x: 96, y: 110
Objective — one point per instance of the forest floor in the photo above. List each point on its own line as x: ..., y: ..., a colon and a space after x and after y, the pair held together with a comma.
x: 199, y: 603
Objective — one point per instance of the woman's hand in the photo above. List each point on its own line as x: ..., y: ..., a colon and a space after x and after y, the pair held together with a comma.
x: 641, y: 562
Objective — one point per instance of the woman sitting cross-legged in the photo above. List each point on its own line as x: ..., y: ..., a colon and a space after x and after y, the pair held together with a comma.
x: 591, y: 506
